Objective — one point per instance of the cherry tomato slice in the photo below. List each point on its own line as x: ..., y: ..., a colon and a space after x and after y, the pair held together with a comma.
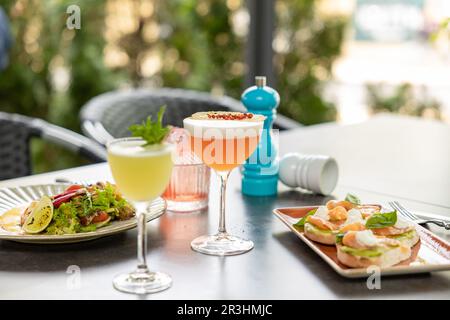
x: 73, y: 187
x: 101, y: 216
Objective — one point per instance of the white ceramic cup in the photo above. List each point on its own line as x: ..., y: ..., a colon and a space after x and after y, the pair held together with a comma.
x: 317, y: 173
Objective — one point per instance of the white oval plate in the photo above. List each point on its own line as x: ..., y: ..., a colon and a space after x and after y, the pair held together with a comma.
x: 21, y: 196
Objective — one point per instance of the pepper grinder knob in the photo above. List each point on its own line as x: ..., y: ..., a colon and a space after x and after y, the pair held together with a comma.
x: 260, y: 81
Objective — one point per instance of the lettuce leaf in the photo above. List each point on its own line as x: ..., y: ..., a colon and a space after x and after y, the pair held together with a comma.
x: 65, y: 220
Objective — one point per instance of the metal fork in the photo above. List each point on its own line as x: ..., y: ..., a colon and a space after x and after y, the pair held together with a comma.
x: 65, y: 180
x: 408, y: 214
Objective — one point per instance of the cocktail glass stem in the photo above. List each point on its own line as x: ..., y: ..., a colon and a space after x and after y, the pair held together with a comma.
x: 142, y: 280
x: 223, y: 175
x: 222, y: 243
x: 142, y: 236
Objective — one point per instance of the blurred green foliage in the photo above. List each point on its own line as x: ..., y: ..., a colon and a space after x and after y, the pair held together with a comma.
x: 53, y: 71
x: 402, y: 99
x: 42, y: 48
x: 311, y: 45
x: 195, y: 42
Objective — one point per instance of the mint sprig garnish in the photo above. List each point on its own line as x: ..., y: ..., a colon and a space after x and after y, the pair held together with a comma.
x: 151, y: 132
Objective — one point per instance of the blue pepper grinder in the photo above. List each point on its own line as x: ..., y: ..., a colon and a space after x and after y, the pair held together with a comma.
x: 260, y: 171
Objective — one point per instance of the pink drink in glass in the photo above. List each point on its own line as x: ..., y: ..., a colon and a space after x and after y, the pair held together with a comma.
x: 188, y: 188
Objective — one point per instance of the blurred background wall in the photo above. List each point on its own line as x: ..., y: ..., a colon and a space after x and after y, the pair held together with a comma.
x: 334, y: 60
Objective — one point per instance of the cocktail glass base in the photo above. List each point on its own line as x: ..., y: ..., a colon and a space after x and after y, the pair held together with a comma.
x: 186, y: 206
x: 221, y: 245
x: 142, y: 282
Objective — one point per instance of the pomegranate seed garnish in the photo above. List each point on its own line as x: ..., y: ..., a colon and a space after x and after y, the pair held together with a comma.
x: 230, y: 116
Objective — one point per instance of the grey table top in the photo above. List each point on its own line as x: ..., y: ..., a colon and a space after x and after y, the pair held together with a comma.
x: 279, y: 267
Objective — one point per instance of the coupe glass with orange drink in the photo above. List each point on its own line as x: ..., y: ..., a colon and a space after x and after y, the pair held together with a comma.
x: 223, y: 140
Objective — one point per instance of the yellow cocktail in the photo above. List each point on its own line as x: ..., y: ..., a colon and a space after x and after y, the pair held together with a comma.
x: 223, y: 140
x: 141, y: 174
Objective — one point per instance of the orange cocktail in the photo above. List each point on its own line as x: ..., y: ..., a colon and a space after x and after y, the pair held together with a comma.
x: 226, y: 154
x: 223, y: 140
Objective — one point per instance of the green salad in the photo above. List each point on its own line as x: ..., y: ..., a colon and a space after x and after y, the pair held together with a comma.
x: 78, y: 209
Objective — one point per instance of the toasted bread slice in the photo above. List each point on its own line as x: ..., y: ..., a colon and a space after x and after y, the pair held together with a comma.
x: 409, y: 238
x: 319, y: 235
x: 389, y: 256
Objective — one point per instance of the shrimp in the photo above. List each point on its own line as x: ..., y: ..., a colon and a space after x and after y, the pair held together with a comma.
x: 350, y: 240
x: 331, y: 204
x: 368, y: 210
x: 357, y: 226
x: 390, y: 231
x: 337, y: 213
x: 321, y: 223
x: 346, y: 204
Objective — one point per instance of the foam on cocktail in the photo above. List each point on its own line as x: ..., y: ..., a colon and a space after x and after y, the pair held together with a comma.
x: 224, y: 140
x: 201, y: 124
x: 133, y: 148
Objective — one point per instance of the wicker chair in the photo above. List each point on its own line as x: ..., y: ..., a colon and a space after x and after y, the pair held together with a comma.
x: 16, y: 132
x: 109, y: 115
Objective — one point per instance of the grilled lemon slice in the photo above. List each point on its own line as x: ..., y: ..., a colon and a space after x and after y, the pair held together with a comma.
x: 40, y: 217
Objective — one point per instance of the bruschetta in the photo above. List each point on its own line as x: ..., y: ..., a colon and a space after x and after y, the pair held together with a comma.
x: 323, y: 225
x: 361, y: 249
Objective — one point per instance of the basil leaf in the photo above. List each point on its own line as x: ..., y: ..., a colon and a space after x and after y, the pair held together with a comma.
x: 382, y: 220
x: 339, y: 238
x: 352, y: 198
x: 301, y: 222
